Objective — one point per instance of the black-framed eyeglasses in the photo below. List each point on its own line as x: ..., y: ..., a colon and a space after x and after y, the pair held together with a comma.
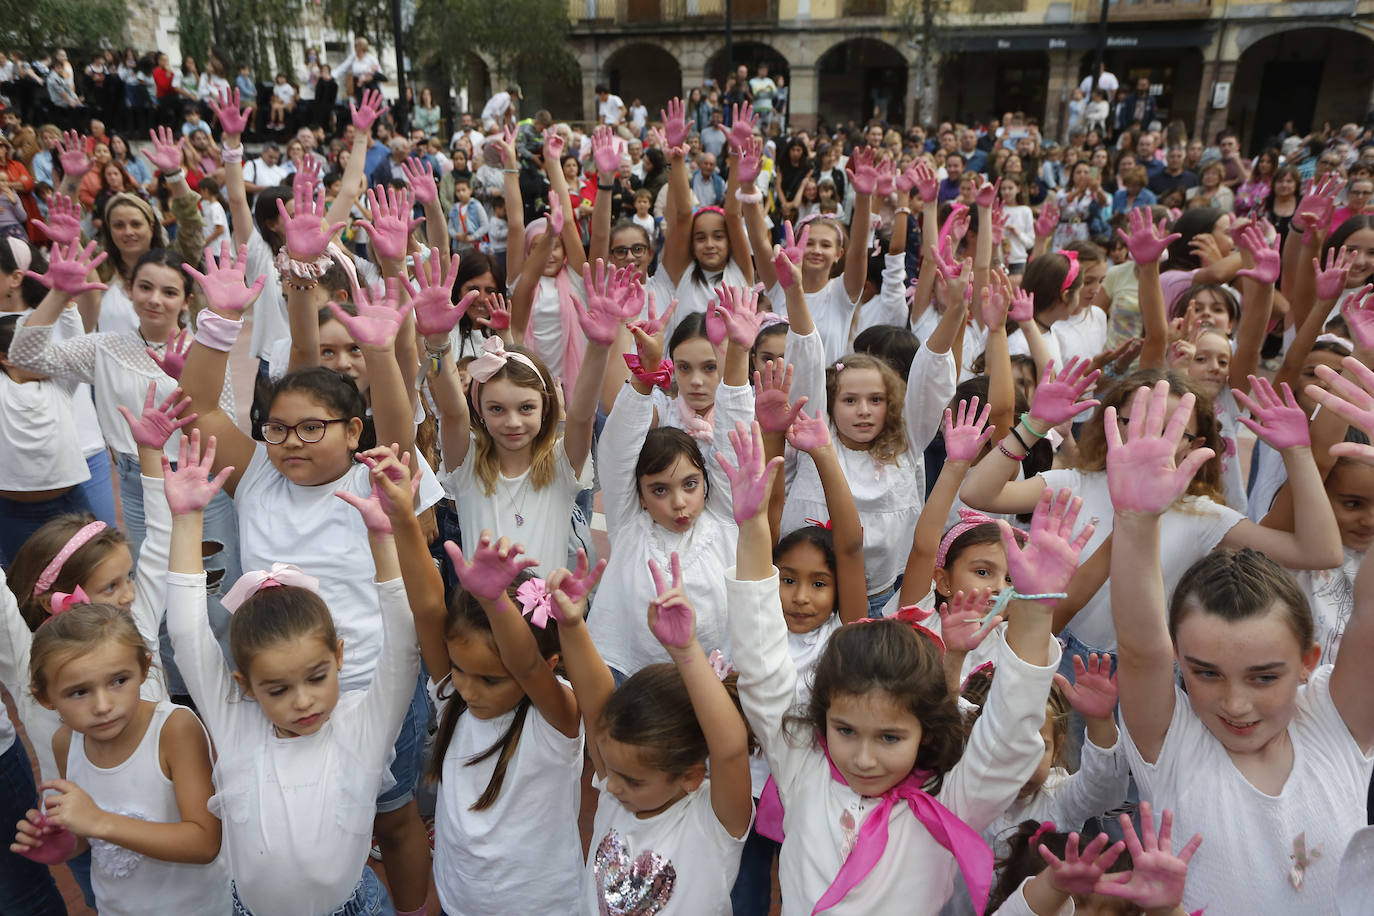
x: 308, y: 431
x: 624, y: 252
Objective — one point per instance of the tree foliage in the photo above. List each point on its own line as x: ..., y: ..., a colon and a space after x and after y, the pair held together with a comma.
x: 525, y: 35
x: 369, y: 18
x: 243, y: 31
x: 82, y: 26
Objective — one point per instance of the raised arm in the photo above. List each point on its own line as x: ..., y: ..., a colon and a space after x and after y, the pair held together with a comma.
x: 234, y: 120
x: 754, y: 222
x: 612, y: 298
x: 1147, y: 243
x: 812, y: 435
x: 421, y: 178
x: 607, y: 150
x: 354, y: 177
x: 381, y: 316
x: 559, y: 197
x: 677, y: 224
x: 1256, y: 302
x: 591, y: 680
x: 864, y: 178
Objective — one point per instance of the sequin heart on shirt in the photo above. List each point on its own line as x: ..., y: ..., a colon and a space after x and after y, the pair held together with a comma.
x: 631, y: 887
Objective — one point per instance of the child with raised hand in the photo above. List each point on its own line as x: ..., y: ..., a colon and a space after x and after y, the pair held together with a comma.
x: 667, y: 837
x: 1263, y: 740
x: 882, y: 734
x: 1149, y: 882
x: 512, y: 472
x: 664, y: 498
x: 508, y: 756
x: 300, y: 767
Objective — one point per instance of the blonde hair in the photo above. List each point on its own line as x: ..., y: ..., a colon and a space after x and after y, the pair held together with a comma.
x: 891, y: 439
x: 535, y: 376
x: 76, y: 632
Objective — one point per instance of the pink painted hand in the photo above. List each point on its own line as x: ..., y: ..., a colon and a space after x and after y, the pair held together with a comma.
x: 1351, y: 396
x: 156, y: 424
x: 996, y: 302
x: 389, y: 228
x: 771, y: 407
x: 1048, y: 559
x: 807, y: 434
x: 671, y: 617
x: 961, y: 620
x: 223, y: 282
x: 862, y: 170
x: 307, y: 235
x: 393, y: 489
x: 958, y: 222
x: 653, y: 323
x: 1142, y: 475
x: 190, y: 487
x: 675, y: 122
x: 986, y: 194
x: 1265, y: 254
x: 556, y: 218
x: 1078, y: 874
x: 569, y: 590
x: 72, y: 155
x: 1358, y: 312
x: 998, y: 218
x: 1277, y: 420
x: 1157, y: 876
x: 307, y: 173
x: 750, y: 162
x: 40, y: 840
x: 63, y: 225
x: 927, y: 182
x: 1022, y: 306
x: 1048, y: 219
x: 742, y: 124
x: 612, y: 296
x: 231, y: 117
x: 1092, y: 692
x: 607, y: 150
x: 1316, y: 206
x: 887, y: 179
x: 493, y: 567
x: 1331, y: 280
x: 432, y: 296
x: 372, y: 108
x: 498, y: 318
x: 68, y: 268
x: 716, y: 330
x: 1145, y: 240
x: 751, y: 480
x: 166, y: 151
x: 742, y: 319
x: 787, y: 257
x: 579, y: 583
x: 172, y: 360
x: 420, y: 176
x: 380, y: 315
x: 1057, y: 396
x: 967, y: 434
x: 553, y: 147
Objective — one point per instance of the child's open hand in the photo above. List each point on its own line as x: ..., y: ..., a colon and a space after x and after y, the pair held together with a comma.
x: 172, y: 360
x: 571, y: 588
x: 1358, y: 312
x: 63, y: 225
x: 420, y: 176
x: 1048, y: 219
x: 1350, y: 397
x: 157, y: 423
x: 1078, y: 874
x: 966, y: 435
x: 1141, y: 473
x: 771, y: 407
x: 389, y: 228
x: 307, y: 236
x: 393, y: 489
x: 1057, y: 396
x: 961, y: 620
x: 1156, y: 879
x: 1331, y: 280
x: 806, y: 434
x: 1145, y: 240
x: 1277, y: 420
x: 653, y: 323
x: 40, y: 840
x: 1047, y: 561
x: 190, y: 487
x: 671, y: 617
x: 1092, y: 693
x: 231, y: 117
x: 366, y: 114
x: 69, y: 267
x: 752, y: 479
x: 498, y: 318
x: 380, y: 315
x: 432, y: 296
x: 493, y: 567
x: 226, y: 289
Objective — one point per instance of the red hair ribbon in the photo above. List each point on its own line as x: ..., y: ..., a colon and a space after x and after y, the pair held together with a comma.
x: 827, y: 525
x: 1045, y: 827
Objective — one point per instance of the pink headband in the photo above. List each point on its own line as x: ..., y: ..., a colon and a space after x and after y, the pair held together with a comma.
x: 23, y: 254
x: 701, y: 210
x: 494, y: 355
x: 968, y: 520
x: 912, y: 616
x: 1073, y: 268
x: 250, y: 583
x: 839, y: 226
x: 75, y: 543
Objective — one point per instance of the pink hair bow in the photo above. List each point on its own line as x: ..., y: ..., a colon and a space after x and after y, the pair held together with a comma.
x: 1044, y: 828
x: 535, y: 602
x: 61, y: 601
x: 493, y: 356
x: 250, y: 583
x: 718, y: 664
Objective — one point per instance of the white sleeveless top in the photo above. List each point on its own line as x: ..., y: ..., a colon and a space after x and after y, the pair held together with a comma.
x: 127, y: 881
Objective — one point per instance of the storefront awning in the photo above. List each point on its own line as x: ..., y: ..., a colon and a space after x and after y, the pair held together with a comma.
x: 1072, y: 39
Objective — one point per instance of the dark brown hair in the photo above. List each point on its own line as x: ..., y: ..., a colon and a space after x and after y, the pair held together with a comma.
x: 1057, y: 708
x: 662, y: 447
x: 1023, y: 861
x: 40, y: 549
x: 275, y: 615
x: 1240, y: 585
x: 890, y: 656
x: 1044, y: 279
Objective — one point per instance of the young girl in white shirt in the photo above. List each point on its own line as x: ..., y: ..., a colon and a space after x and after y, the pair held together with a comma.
x: 1019, y: 235
x: 1268, y: 750
x: 134, y: 774
x: 667, y: 837
x: 1053, y: 280
x: 508, y: 753
x: 882, y: 737
x: 300, y: 762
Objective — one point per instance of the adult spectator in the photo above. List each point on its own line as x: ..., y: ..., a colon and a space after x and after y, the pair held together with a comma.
x: 1138, y: 107
x: 714, y: 137
x: 15, y: 184
x: 1211, y: 190
x: 529, y: 139
x: 363, y: 66
x: 380, y: 148
x: 1133, y: 191
x: 1173, y: 175
x: 975, y: 160
x: 954, y: 169
x: 949, y: 140
x: 1106, y: 81
x: 765, y: 92
x: 49, y: 137
x: 466, y: 128
x: 499, y: 112
x: 635, y: 150
x: 1237, y: 169
x: 389, y: 169
x: 61, y: 84
x: 610, y: 108
x: 266, y: 171
x: 738, y: 92
x: 425, y: 115
x: 311, y: 144
x: 707, y: 184
x: 164, y: 80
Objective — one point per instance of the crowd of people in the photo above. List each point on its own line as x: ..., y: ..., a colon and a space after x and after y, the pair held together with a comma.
x: 986, y: 514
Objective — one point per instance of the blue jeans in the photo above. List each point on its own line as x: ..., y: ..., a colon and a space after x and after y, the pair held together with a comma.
x: 410, y: 748
x: 752, y: 894
x: 26, y: 888
x: 369, y: 899
x: 877, y: 602
x: 19, y: 520
x: 99, y: 490
x: 222, y: 567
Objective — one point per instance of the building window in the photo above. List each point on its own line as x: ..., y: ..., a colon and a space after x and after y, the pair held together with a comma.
x: 865, y: 7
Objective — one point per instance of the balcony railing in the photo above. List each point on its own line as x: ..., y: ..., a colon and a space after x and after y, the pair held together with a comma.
x: 662, y: 12
x: 865, y: 7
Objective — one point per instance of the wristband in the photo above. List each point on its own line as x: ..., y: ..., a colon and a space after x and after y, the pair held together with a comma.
x: 1003, y: 449
x: 448, y: 345
x: 511, y: 171
x: 291, y: 283
x: 231, y: 155
x: 217, y: 332
x: 1008, y: 595
x: 605, y: 187
x: 178, y: 175
x: 1017, y: 436
x: 1026, y: 422
x: 746, y: 198
x: 662, y: 376
x: 305, y: 270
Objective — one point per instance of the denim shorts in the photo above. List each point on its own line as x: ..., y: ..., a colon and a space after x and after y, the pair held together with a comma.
x: 409, y: 747
x: 369, y: 899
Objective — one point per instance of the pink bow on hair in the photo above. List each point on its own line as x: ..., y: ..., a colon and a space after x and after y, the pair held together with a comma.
x: 535, y: 602
x: 493, y: 356
x: 61, y: 601
x: 718, y: 664
x: 250, y: 583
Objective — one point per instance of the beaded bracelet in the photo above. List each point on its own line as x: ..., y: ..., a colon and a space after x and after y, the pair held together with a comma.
x: 1008, y: 595
x: 1003, y: 449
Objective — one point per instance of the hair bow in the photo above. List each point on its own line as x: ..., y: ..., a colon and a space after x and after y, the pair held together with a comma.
x: 250, y: 583
x: 912, y: 616
x: 494, y: 355
x: 719, y: 665
x: 827, y: 525
x: 535, y: 602
x: 1336, y: 339
x: 662, y: 376
x: 968, y: 518
x: 61, y: 601
x: 985, y: 666
x: 1044, y: 828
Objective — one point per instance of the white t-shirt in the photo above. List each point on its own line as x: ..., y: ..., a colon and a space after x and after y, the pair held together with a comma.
x: 83, y: 402
x: 212, y: 212
x: 1248, y: 836
x: 523, y: 854
x: 692, y: 294
x: 38, y: 436
x: 1228, y: 411
x: 679, y: 862
x: 832, y: 311
x: 270, y: 322
x: 117, y: 315
x: 546, y: 322
x: 612, y: 110
x: 1106, y: 82
x: 975, y: 339
x: 1019, y: 233
x: 540, y: 519
x: 285, y: 92
x: 495, y: 109
x: 806, y: 650
x: 1017, y: 345
x: 1190, y: 530
x: 1082, y: 335
x: 283, y: 522
x: 1331, y: 594
x: 889, y: 306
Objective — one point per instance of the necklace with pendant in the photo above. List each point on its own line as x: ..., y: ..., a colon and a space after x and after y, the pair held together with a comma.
x: 517, y: 500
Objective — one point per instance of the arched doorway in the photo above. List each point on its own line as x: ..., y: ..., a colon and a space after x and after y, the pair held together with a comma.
x: 861, y: 78
x: 475, y: 80
x: 643, y: 71
x: 1174, y: 75
x: 750, y: 54
x: 1307, y: 76
x: 1015, y: 81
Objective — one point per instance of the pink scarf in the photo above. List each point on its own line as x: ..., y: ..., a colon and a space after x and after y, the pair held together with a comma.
x: 970, y: 852
x: 574, y: 343
x: 699, y: 428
